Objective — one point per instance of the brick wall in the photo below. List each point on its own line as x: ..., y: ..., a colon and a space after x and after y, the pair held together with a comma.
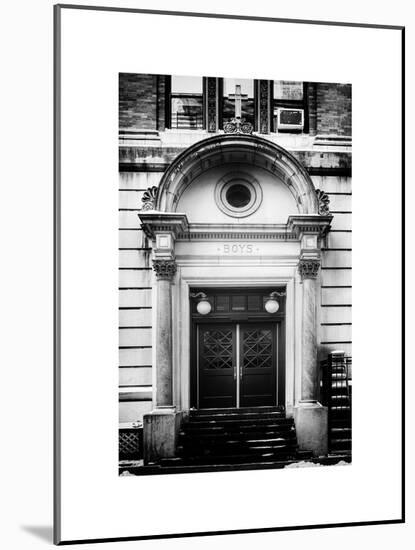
x: 334, y: 109
x: 312, y: 108
x: 138, y: 101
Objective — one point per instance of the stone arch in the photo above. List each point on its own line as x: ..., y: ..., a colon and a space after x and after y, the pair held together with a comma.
x: 235, y: 148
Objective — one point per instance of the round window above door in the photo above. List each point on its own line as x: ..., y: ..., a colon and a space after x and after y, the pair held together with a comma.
x: 238, y: 194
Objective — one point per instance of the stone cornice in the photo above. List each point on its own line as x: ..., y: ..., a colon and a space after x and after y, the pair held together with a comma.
x: 218, y: 232
x: 153, y: 222
x: 311, y: 224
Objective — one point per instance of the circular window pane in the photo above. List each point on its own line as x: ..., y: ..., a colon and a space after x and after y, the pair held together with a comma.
x: 238, y: 195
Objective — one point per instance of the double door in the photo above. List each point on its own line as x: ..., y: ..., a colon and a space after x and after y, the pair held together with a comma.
x: 237, y: 365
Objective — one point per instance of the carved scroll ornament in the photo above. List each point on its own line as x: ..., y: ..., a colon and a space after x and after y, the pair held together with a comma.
x: 238, y: 126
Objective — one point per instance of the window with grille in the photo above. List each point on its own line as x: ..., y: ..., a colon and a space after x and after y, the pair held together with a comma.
x: 186, y: 103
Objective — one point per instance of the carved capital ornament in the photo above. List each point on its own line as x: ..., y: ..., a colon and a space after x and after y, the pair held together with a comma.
x: 308, y: 268
x: 164, y: 269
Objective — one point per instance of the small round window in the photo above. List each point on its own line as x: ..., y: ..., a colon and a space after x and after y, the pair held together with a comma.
x: 238, y: 194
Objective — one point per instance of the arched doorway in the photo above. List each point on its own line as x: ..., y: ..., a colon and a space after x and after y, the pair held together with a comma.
x: 235, y: 215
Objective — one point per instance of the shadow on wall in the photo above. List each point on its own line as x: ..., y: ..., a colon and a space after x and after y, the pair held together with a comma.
x: 43, y: 532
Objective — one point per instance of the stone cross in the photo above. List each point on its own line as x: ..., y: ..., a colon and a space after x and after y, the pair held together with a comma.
x: 237, y: 96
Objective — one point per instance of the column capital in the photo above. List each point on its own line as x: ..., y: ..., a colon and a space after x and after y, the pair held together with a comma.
x: 164, y: 269
x: 308, y: 268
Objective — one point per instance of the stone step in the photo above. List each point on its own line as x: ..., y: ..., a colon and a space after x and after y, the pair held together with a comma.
x: 235, y: 447
x: 232, y: 429
x: 235, y: 458
x: 181, y: 468
x: 234, y: 410
x: 237, y: 434
x: 248, y: 419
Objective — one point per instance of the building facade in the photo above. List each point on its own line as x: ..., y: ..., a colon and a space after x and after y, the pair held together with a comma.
x: 235, y: 251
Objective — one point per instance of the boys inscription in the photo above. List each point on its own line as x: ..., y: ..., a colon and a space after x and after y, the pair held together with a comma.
x: 238, y: 249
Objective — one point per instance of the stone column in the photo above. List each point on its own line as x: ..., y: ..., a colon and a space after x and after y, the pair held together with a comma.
x: 308, y: 269
x: 165, y: 271
x: 309, y: 415
x: 161, y: 426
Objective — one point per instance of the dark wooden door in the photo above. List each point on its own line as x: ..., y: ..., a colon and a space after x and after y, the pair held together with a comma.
x: 217, y: 366
x: 257, y: 368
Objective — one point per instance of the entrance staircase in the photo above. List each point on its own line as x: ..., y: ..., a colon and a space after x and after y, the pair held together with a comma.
x: 233, y: 439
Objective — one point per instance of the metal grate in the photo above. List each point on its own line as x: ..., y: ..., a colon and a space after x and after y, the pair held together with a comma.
x: 130, y: 443
x: 217, y: 350
x: 257, y: 348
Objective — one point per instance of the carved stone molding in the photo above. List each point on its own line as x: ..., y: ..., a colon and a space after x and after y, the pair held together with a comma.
x: 264, y: 107
x: 323, y: 202
x: 164, y: 269
x: 212, y: 105
x: 248, y: 148
x: 149, y: 198
x: 308, y: 268
x: 238, y: 126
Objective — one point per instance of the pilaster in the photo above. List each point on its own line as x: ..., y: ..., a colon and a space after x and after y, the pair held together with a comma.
x: 263, y: 106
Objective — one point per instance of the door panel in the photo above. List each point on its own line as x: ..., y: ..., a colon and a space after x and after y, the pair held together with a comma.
x: 257, y: 365
x: 217, y: 366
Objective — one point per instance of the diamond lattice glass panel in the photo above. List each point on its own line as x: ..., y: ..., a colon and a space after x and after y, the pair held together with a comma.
x: 217, y: 350
x: 257, y: 348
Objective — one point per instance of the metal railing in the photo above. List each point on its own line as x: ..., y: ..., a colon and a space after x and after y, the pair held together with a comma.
x: 187, y: 121
x: 336, y: 395
x: 335, y: 379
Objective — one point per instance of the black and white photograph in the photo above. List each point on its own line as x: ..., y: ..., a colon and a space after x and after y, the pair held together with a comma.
x: 235, y: 273
x: 228, y: 357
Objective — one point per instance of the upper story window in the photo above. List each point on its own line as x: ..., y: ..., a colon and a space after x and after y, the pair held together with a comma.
x: 186, y: 102
x: 288, y: 106
x: 238, y: 92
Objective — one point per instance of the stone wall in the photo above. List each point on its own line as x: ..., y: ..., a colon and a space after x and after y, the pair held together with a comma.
x: 335, y: 322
